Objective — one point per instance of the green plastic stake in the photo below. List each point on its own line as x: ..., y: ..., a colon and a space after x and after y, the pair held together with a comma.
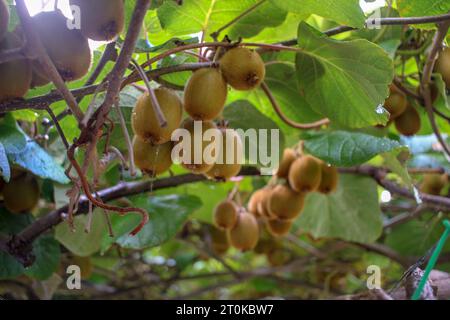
x: 432, y: 261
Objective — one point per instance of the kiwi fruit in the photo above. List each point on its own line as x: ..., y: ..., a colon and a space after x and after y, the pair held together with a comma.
x: 227, y: 166
x: 225, y: 214
x: 85, y: 265
x: 205, y: 94
x: 396, y: 103
x: 4, y: 18
x: 305, y: 174
x: 329, y: 178
x: 289, y: 156
x: 278, y: 257
x: 245, y: 234
x: 279, y: 228
x: 67, y: 48
x: 443, y: 65
x: 408, y: 124
x: 15, y: 76
x: 145, y: 122
x: 196, y: 162
x: 253, y: 203
x: 242, y: 68
x: 101, y: 20
x: 284, y: 203
x: 152, y: 159
x: 37, y: 79
x: 21, y: 194
x: 220, y: 242
x: 433, y: 183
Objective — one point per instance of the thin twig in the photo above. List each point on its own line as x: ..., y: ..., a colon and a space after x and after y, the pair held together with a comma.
x: 125, y: 133
x: 155, y: 103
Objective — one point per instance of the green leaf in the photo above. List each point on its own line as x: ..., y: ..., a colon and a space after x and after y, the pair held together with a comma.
x: 346, y: 12
x: 351, y: 213
x: 79, y: 241
x: 207, y: 16
x: 167, y: 215
x: 45, y: 249
x: 243, y: 115
x: 5, y: 170
x: 343, y: 148
x: 39, y: 162
x: 420, y: 8
x: 345, y: 81
x: 416, y: 237
x: 13, y: 140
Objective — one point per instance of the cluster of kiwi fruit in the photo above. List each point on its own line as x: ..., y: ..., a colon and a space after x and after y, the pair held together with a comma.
x: 21, y: 194
x: 274, y: 206
x: 235, y: 227
x: 204, y: 100
x: 434, y: 183
x: 101, y: 20
x: 280, y: 202
x: 402, y: 113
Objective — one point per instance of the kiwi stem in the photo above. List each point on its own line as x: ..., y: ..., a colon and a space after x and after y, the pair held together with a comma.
x: 288, y: 121
x: 155, y: 104
x: 425, y: 82
x: 126, y: 134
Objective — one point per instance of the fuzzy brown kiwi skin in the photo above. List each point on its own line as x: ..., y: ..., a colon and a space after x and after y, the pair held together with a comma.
x: 242, y: 68
x: 21, y: 194
x: 226, y: 214
x: 408, y: 123
x: 443, y: 65
x: 254, y: 202
x: 289, y: 156
x: 285, y: 204
x: 329, y: 178
x: 396, y: 103
x: 4, y: 18
x: 279, y: 228
x: 202, y: 167
x: 245, y: 234
x: 224, y: 171
x: 433, y: 183
x: 15, y: 76
x: 205, y: 94
x: 101, y: 20
x: 145, y: 123
x: 67, y: 48
x: 305, y: 174
x: 220, y: 242
x: 152, y: 159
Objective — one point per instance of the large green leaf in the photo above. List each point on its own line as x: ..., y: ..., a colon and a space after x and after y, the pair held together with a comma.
x: 45, y: 249
x: 79, y: 241
x: 167, y: 215
x: 351, y: 213
x: 243, y: 115
x: 343, y: 148
x: 207, y: 16
x: 416, y: 237
x: 5, y: 170
x: 346, y: 12
x: 39, y: 162
x: 420, y: 8
x: 11, y: 137
x: 345, y: 81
